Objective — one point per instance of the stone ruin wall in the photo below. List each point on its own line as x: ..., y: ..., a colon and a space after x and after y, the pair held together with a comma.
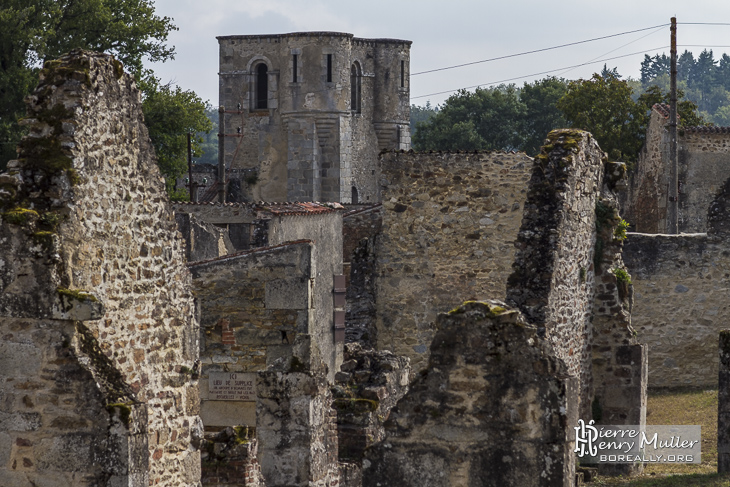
x: 450, y: 221
x: 493, y: 409
x: 134, y: 338
x: 704, y: 165
x: 681, y: 302
x: 254, y: 310
x: 556, y: 276
x: 644, y: 203
x: 702, y: 157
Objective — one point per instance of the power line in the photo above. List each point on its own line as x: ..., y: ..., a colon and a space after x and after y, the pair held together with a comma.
x: 537, y: 50
x: 538, y: 74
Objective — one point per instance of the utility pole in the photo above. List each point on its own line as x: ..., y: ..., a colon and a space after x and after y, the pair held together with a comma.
x: 673, y: 204
x: 221, y: 154
x: 192, y: 186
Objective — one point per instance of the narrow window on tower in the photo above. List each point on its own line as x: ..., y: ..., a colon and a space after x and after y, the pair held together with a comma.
x: 294, y: 67
x: 402, y: 74
x: 329, y: 68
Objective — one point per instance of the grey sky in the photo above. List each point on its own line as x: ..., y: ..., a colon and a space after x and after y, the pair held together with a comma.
x: 450, y: 32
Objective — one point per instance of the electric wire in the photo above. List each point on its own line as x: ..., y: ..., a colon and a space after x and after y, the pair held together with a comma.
x: 537, y: 50
x: 538, y: 74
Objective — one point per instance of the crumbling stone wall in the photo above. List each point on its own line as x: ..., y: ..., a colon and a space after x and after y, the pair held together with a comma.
x: 492, y: 409
x: 680, y: 304
x: 449, y: 225
x: 203, y: 240
x: 644, y: 203
x: 360, y: 228
x: 97, y: 291
x: 702, y: 159
x: 230, y: 459
x: 255, y: 310
x: 555, y: 267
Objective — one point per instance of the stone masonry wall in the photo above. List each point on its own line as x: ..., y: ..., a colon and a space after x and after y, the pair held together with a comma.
x: 680, y: 304
x: 644, y: 204
x: 255, y: 310
x: 492, y: 409
x: 449, y: 225
x: 85, y: 208
x: 554, y: 274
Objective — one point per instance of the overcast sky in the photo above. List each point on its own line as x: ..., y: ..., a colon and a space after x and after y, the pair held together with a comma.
x: 450, y: 32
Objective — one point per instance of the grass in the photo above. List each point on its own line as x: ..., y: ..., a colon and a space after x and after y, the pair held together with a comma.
x: 680, y: 407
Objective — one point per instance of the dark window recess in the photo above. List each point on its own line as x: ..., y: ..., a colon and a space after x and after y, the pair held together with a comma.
x: 402, y: 74
x: 339, y: 326
x: 329, y: 68
x: 354, y: 196
x: 355, y: 88
x: 262, y: 86
x: 294, y: 69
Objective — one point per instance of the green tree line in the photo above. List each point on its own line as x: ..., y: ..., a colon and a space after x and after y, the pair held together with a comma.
x: 614, y: 110
x: 35, y: 31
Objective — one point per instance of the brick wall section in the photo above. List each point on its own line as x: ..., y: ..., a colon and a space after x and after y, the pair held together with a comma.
x: 87, y: 139
x: 493, y: 409
x: 230, y: 459
x: 449, y: 225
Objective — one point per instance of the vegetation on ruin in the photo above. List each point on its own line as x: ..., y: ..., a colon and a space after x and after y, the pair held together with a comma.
x: 622, y: 276
x: 689, y: 407
x: 124, y: 408
x: 620, y: 232
x: 77, y: 294
x: 19, y: 216
x: 33, y: 33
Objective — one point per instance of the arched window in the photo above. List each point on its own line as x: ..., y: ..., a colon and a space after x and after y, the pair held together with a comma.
x: 355, y: 199
x: 355, y: 88
x: 262, y: 86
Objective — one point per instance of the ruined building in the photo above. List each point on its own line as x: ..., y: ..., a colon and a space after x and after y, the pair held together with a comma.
x: 307, y: 113
x: 680, y: 302
x: 206, y: 342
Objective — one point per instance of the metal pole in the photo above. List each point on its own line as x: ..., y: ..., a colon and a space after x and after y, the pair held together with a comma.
x: 221, y: 155
x: 673, y: 206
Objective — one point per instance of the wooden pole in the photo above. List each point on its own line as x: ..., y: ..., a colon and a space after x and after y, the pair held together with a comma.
x: 673, y: 206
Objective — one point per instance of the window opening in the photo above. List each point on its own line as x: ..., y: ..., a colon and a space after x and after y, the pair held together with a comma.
x: 329, y: 68
x: 262, y: 86
x: 355, y: 88
x: 402, y: 74
x: 294, y: 72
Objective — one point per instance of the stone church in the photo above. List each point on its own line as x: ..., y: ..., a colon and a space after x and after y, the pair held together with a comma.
x: 306, y: 114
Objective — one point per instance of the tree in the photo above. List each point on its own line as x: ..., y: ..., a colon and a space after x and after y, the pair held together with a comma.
x: 32, y: 31
x: 170, y: 114
x: 541, y: 114
x: 603, y: 106
x: 421, y: 114
x: 486, y: 119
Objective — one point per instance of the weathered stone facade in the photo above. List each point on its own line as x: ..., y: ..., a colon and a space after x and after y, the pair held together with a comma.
x: 680, y: 304
x: 703, y: 156
x: 306, y: 113
x: 449, y: 225
x: 493, y: 409
x: 95, y: 299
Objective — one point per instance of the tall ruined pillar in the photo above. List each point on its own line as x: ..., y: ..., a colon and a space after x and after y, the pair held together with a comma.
x: 100, y: 339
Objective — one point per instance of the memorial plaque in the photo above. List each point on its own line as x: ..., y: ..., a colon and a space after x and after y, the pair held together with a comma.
x: 231, y: 386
